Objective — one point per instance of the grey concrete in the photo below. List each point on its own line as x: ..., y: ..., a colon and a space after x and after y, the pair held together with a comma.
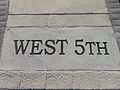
x: 114, y: 10
x: 116, y: 22
x: 60, y: 80
x: 117, y: 28
x: 1, y: 38
x: 118, y: 41
x: 70, y: 61
x: 96, y: 80
x: 27, y: 20
x: 57, y: 6
x: 79, y: 20
x: 34, y: 79
x: 75, y: 79
x: 9, y: 79
x: 112, y: 1
x: 115, y: 16
x: 57, y: 20
x: 3, y: 18
x: 113, y: 5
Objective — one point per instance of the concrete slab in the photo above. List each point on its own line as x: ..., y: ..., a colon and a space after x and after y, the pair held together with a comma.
x: 27, y: 20
x: 57, y: 6
x: 73, y: 56
x: 79, y: 20
x: 58, y: 20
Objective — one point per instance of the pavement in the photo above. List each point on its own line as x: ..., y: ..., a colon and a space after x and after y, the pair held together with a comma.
x: 33, y: 80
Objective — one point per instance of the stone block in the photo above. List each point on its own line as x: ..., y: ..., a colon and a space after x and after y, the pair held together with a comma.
x: 27, y: 20
x: 79, y: 20
x: 57, y: 6
x: 70, y: 59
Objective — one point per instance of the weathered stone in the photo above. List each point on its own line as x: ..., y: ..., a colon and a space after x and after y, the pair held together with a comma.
x: 114, y: 10
x: 9, y: 79
x: 118, y: 41
x: 27, y: 20
x: 79, y: 20
x: 113, y: 5
x: 58, y: 20
x: 71, y: 60
x: 116, y: 22
x: 96, y: 80
x: 111, y: 1
x: 1, y: 38
x: 117, y: 28
x: 3, y: 19
x: 59, y: 80
x: 117, y: 35
x: 57, y: 6
x: 115, y: 16
x: 35, y: 80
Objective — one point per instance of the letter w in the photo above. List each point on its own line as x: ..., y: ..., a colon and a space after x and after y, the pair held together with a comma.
x: 21, y: 46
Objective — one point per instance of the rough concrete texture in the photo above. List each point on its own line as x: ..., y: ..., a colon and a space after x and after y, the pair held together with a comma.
x: 96, y: 80
x: 60, y: 80
x: 9, y: 79
x: 33, y: 80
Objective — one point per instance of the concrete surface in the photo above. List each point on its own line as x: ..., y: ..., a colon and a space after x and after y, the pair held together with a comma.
x: 9, y: 79
x: 79, y: 20
x: 3, y: 19
x: 33, y: 80
x: 57, y: 6
x: 57, y: 20
x: 84, y: 79
x: 60, y: 80
x: 70, y: 60
x: 114, y: 10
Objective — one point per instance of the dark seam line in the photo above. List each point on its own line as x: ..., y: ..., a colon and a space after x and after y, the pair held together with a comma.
x: 74, y: 70
x: 56, y: 89
x: 51, y: 26
x: 61, y: 14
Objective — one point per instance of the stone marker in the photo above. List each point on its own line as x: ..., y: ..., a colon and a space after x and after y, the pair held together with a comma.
x: 80, y: 48
x: 60, y: 44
